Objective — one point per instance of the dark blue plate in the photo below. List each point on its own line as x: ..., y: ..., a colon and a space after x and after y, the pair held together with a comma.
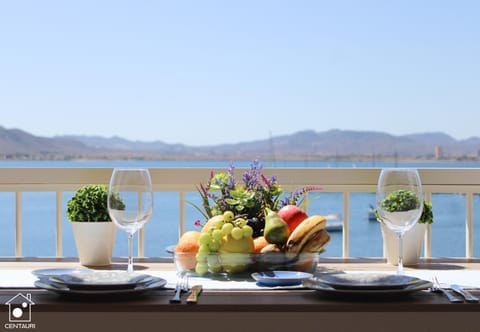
x: 280, y: 278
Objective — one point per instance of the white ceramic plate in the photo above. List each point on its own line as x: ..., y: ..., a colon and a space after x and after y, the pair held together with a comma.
x: 367, y: 280
x: 62, y: 289
x: 102, y: 280
x: 280, y: 278
x: 314, y: 283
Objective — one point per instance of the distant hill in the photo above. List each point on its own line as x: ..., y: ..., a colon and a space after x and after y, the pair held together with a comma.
x: 309, y: 144
x: 340, y: 143
x: 18, y: 144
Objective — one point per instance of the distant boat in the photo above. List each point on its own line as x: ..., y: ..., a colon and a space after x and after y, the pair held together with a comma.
x: 371, y: 213
x: 334, y: 226
x: 333, y: 223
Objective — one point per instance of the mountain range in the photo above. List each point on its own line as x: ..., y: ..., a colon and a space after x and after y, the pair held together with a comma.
x: 308, y: 144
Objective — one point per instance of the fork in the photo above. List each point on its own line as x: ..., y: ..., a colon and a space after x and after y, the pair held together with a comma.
x: 436, y: 288
x: 182, y: 285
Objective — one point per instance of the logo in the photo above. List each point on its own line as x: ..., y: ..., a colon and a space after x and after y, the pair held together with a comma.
x: 20, y: 312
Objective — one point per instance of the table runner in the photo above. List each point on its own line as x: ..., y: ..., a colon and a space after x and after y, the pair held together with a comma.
x: 466, y: 278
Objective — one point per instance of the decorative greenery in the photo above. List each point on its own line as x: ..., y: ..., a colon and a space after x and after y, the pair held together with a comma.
x: 400, y: 200
x: 89, y: 204
x: 250, y: 199
x: 427, y: 213
x: 404, y: 200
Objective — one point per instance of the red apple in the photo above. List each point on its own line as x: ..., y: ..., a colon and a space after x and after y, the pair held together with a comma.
x: 292, y: 215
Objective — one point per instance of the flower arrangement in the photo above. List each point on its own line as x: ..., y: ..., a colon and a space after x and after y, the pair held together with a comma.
x: 249, y: 198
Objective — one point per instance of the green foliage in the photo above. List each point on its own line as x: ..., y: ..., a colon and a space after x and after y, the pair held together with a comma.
x: 89, y: 204
x: 404, y: 200
x: 400, y: 200
x: 427, y: 214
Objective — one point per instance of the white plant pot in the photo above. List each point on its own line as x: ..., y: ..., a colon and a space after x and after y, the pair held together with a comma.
x: 94, y: 241
x: 412, y: 244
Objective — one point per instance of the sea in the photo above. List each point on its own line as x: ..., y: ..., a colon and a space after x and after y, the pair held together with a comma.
x: 448, y: 230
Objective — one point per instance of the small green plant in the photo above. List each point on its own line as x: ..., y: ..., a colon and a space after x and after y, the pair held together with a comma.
x: 404, y: 200
x: 89, y: 204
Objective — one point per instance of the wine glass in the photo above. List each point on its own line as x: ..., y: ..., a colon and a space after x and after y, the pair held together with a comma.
x: 399, y: 202
x: 130, y: 202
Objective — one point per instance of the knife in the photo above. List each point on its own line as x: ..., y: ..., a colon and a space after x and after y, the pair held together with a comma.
x: 193, y: 297
x: 466, y: 294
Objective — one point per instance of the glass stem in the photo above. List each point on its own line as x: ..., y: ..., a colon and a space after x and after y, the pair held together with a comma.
x: 400, y: 253
x: 130, y: 253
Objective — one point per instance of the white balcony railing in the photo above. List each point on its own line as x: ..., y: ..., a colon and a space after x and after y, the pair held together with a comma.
x: 183, y: 180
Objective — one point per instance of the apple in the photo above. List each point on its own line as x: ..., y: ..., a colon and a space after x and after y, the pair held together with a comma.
x: 235, y: 255
x: 292, y: 215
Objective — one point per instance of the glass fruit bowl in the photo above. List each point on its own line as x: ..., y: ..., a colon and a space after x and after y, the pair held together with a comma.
x: 238, y: 263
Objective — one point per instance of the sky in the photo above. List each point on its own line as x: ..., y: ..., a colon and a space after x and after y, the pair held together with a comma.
x: 207, y: 72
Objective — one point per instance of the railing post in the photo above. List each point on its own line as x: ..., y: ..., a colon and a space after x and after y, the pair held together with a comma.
x: 469, y: 227
x: 59, y: 231
x: 181, y: 223
x: 18, y: 224
x: 346, y: 230
x: 428, y: 233
x: 141, y: 231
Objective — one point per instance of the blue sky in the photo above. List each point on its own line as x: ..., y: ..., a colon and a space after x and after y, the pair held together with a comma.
x: 209, y: 72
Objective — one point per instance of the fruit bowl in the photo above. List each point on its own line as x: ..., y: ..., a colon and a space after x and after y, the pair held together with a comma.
x: 238, y: 263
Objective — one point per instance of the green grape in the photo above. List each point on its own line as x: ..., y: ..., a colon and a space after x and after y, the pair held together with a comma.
x: 247, y: 231
x: 213, y: 261
x: 227, y: 228
x: 214, y: 245
x: 201, y: 256
x: 218, y: 224
x: 204, y: 248
x: 217, y: 234
x: 240, y: 222
x: 201, y: 268
x: 228, y: 216
x: 204, y: 239
x: 237, y: 233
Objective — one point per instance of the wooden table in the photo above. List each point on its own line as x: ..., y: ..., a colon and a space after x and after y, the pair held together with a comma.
x: 269, y: 310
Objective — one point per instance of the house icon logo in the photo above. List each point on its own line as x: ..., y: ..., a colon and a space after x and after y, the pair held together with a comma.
x: 20, y: 308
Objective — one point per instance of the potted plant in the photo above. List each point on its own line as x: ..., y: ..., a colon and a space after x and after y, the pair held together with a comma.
x: 93, y: 230
x: 412, y: 239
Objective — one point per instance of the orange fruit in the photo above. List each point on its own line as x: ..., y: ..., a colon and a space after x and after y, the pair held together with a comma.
x: 186, y: 250
x: 259, y: 243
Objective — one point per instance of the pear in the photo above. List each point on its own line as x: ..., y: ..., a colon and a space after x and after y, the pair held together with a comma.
x: 276, y: 229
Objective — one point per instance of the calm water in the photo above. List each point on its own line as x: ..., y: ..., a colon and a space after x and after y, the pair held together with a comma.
x: 161, y: 231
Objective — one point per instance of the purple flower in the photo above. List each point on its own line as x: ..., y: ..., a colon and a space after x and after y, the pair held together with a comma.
x: 266, y: 181
x: 231, y: 173
x: 256, y: 166
x: 202, y: 188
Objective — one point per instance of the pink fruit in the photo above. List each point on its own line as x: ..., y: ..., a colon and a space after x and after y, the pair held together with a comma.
x: 292, y: 215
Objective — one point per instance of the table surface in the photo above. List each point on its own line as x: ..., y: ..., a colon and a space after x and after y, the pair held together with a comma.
x: 286, y: 301
x: 254, y: 300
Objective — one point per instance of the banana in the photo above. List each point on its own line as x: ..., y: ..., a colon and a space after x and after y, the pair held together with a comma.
x: 317, y: 241
x: 304, y: 232
x: 270, y: 248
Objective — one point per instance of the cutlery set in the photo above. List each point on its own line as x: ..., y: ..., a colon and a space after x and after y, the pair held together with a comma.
x: 437, y: 288
x: 182, y: 286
